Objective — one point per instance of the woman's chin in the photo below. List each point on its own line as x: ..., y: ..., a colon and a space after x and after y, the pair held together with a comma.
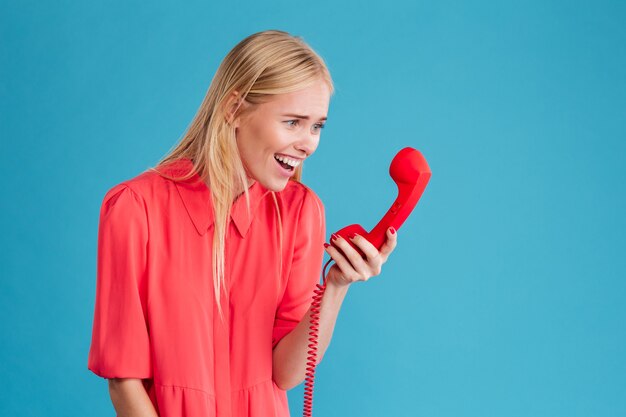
x: 275, y: 184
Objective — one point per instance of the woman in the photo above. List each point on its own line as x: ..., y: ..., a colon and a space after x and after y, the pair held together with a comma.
x: 198, y: 315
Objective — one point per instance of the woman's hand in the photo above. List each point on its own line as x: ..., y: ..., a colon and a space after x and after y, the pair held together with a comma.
x: 352, y: 267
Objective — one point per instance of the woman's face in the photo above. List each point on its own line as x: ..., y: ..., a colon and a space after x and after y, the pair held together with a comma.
x: 288, y: 125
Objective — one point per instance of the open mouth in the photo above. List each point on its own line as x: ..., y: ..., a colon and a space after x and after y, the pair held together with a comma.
x: 284, y: 165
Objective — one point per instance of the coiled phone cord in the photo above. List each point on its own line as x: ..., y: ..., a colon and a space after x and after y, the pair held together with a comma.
x: 312, y: 358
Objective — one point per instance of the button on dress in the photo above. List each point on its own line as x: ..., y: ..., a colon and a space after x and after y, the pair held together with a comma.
x: 156, y: 317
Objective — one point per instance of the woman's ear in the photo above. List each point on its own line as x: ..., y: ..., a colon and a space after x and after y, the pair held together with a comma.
x: 233, y: 105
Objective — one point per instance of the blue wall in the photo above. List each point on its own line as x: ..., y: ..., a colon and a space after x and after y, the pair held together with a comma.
x: 505, y: 294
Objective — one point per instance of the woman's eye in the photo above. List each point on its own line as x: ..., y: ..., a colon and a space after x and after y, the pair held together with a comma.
x: 317, y: 127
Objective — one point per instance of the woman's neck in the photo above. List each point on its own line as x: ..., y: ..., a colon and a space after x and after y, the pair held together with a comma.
x: 240, y: 190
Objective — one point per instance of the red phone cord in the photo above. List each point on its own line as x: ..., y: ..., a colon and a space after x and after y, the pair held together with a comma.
x: 312, y: 358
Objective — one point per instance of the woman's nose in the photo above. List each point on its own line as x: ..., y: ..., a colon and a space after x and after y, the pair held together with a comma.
x: 307, y: 145
x: 309, y: 141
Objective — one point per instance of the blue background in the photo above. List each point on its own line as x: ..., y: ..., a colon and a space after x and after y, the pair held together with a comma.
x: 505, y: 294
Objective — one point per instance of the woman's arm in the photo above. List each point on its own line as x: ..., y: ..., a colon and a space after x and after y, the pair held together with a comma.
x: 130, y: 399
x: 290, y: 354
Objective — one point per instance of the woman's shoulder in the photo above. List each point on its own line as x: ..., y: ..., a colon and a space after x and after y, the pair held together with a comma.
x: 301, y: 197
x: 296, y: 191
x: 147, y: 185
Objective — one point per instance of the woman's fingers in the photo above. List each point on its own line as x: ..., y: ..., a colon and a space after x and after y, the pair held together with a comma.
x: 350, y: 262
x: 346, y: 271
x: 390, y: 244
x: 374, y: 260
x: 357, y: 270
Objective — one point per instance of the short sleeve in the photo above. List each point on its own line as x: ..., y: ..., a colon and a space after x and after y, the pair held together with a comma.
x: 120, y: 344
x: 305, y: 272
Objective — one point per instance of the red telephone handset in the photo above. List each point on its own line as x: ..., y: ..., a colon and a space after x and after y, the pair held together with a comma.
x: 411, y: 173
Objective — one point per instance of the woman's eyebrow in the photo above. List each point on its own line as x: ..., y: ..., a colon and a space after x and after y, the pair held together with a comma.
x: 299, y: 116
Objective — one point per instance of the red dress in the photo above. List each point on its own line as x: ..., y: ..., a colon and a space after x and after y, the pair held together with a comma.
x: 155, y: 312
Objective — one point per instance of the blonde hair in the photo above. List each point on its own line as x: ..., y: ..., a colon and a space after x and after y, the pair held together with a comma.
x: 261, y: 65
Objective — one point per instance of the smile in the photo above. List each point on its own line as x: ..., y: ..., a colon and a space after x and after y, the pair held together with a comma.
x: 286, y: 163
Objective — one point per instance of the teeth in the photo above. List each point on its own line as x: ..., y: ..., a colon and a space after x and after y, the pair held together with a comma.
x: 288, y: 161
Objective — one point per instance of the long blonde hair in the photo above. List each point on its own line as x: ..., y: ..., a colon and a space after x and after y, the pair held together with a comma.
x: 261, y: 65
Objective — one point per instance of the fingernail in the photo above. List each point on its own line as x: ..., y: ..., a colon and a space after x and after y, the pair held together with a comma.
x: 326, y: 245
x: 392, y: 230
x: 352, y: 235
x: 334, y: 236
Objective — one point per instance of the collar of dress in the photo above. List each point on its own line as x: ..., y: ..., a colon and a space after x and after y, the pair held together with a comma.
x: 196, y: 197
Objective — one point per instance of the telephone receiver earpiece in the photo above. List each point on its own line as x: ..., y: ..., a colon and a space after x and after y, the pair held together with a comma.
x: 411, y: 173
